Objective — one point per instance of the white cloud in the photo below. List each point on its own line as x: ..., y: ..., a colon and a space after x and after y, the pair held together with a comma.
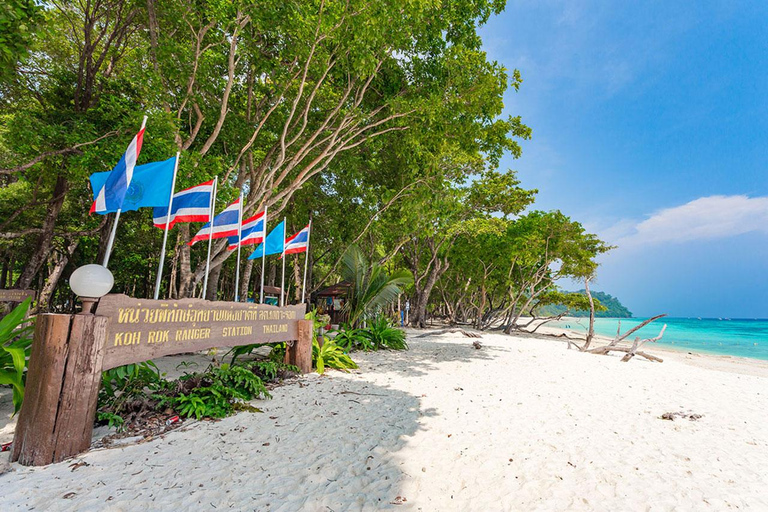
x: 705, y: 218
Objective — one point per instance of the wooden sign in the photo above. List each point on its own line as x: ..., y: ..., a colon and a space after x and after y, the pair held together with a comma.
x: 16, y: 295
x: 142, y: 329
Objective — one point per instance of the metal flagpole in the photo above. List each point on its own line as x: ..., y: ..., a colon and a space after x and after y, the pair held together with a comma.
x: 239, y: 236
x: 167, y: 223
x: 111, y: 240
x: 117, y: 218
x: 210, y: 234
x: 263, y: 256
x: 306, y: 262
x: 282, y: 280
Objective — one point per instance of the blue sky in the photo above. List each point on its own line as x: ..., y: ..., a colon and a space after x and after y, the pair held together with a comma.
x: 650, y: 126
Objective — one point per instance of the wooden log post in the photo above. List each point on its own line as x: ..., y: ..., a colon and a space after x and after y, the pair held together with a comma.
x: 300, y: 352
x: 56, y: 418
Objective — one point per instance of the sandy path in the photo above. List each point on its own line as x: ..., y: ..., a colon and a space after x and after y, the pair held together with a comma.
x: 522, y: 424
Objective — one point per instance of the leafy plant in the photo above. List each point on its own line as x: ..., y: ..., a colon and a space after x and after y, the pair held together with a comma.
x: 352, y: 339
x: 372, y: 289
x: 15, y: 342
x: 271, y: 370
x: 242, y: 350
x: 218, y: 392
x: 383, y: 334
x: 129, y: 376
x: 330, y: 355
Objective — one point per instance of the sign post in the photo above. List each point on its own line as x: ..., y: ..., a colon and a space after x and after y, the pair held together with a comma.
x: 69, y: 352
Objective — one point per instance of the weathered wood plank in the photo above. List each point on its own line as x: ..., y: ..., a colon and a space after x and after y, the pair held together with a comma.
x: 300, y: 353
x: 80, y: 387
x: 142, y: 329
x: 33, y: 442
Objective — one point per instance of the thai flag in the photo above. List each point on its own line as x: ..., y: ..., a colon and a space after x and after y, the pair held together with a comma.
x: 189, y: 205
x: 252, y: 231
x: 225, y: 224
x: 112, y: 194
x: 298, y: 242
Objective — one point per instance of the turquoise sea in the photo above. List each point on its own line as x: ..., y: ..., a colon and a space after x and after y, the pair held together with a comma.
x: 733, y: 337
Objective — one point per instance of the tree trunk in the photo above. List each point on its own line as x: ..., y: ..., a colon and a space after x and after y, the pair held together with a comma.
x: 419, y: 313
x: 297, y: 279
x: 245, y: 279
x: 186, y: 283
x: 211, y: 292
x: 43, y: 244
x: 591, y: 331
x: 43, y: 303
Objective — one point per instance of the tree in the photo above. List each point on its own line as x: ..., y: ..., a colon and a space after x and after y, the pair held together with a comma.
x: 371, y: 288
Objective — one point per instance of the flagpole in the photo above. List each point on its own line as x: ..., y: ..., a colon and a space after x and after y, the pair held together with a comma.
x: 263, y: 256
x: 111, y: 240
x: 282, y: 280
x: 165, y: 233
x: 306, y: 262
x: 210, y: 234
x: 117, y: 218
x: 239, y: 236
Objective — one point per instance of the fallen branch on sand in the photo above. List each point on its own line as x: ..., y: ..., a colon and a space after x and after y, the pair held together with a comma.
x: 468, y: 334
x: 630, y: 352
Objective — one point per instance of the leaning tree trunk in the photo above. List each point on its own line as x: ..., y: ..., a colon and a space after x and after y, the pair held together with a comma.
x: 43, y: 244
x: 419, y: 314
x: 43, y: 303
x: 591, y: 331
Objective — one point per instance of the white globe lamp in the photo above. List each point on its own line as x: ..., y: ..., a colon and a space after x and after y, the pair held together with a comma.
x: 90, y: 283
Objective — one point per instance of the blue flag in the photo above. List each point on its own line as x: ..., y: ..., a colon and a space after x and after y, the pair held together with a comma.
x: 150, y: 185
x: 274, y: 243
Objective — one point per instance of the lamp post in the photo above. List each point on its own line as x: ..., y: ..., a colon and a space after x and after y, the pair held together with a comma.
x: 90, y: 283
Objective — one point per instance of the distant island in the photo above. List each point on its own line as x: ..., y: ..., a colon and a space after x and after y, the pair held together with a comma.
x: 615, y: 309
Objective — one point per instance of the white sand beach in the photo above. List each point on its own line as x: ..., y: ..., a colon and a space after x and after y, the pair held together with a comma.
x: 521, y: 424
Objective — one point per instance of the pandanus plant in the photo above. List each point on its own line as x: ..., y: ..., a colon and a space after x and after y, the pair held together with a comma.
x: 371, y: 288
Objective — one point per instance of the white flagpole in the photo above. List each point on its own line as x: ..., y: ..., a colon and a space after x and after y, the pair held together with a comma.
x: 210, y: 234
x: 117, y: 218
x: 239, y: 236
x: 111, y: 240
x: 263, y: 256
x: 282, y: 280
x: 167, y: 223
x: 306, y: 262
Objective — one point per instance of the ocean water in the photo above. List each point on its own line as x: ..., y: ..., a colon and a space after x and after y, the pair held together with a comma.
x: 734, y: 337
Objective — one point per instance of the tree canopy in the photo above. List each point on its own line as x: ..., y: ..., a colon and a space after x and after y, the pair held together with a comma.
x: 382, y: 121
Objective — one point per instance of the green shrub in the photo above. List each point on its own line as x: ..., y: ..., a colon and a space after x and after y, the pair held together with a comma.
x: 15, y: 344
x: 383, y: 334
x: 272, y: 370
x: 217, y: 392
x: 352, y: 339
x: 330, y: 355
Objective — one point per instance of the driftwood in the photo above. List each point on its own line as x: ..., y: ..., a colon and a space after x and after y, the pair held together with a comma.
x: 468, y: 334
x: 634, y: 350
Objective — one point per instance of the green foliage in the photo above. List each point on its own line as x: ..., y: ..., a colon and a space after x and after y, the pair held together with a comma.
x: 19, y: 20
x: 384, y: 335
x: 606, y: 306
x: 15, y: 345
x: 330, y: 355
x: 380, y: 333
x: 272, y: 370
x: 350, y: 339
x: 371, y: 287
x: 132, y: 391
x: 218, y: 392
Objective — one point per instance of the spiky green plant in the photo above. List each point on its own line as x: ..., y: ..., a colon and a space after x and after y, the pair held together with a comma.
x: 371, y: 287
